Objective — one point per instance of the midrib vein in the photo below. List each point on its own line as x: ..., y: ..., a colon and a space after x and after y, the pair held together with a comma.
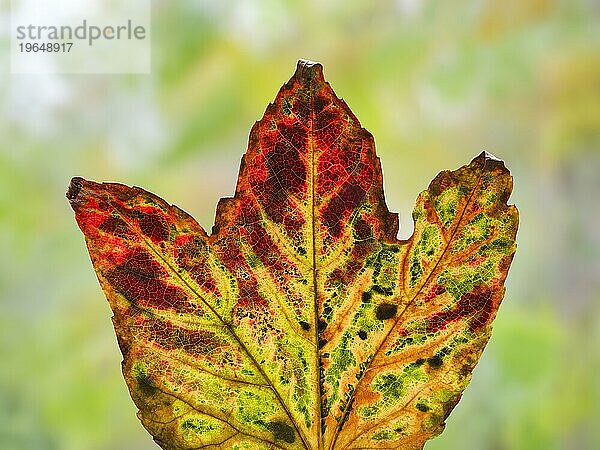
x: 317, y: 368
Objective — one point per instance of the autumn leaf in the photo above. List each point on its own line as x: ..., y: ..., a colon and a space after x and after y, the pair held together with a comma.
x: 302, y: 322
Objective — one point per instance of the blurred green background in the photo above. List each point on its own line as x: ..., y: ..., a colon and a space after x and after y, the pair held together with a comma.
x: 434, y: 81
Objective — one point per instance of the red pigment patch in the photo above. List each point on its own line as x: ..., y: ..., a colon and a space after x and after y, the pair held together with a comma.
x: 300, y: 102
x: 363, y: 230
x: 329, y: 139
x: 191, y: 258
x: 201, y: 273
x: 152, y: 225
x: 435, y: 291
x: 249, y: 299
x: 262, y: 244
x: 189, y: 250
x: 477, y: 305
x: 138, y: 279
x: 116, y: 251
x: 320, y: 102
x: 339, y: 207
x: 228, y: 252
x: 341, y: 163
x: 183, y: 239
x: 89, y: 218
x: 280, y: 171
x: 117, y: 227
x: 337, y: 276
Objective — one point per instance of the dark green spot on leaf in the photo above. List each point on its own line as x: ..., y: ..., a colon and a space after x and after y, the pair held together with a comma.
x: 421, y: 406
x: 435, y: 362
x: 386, y: 311
x: 282, y: 431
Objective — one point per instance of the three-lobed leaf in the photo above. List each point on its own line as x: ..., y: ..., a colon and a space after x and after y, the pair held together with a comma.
x: 302, y: 322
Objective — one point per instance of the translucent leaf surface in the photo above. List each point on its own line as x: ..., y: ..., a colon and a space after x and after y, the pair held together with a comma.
x: 302, y: 322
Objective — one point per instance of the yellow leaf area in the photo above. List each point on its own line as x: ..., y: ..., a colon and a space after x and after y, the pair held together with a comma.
x: 302, y: 322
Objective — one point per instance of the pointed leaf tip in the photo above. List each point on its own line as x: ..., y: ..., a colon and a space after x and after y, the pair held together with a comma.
x: 307, y: 70
x: 74, y: 188
x: 489, y: 161
x: 487, y: 155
